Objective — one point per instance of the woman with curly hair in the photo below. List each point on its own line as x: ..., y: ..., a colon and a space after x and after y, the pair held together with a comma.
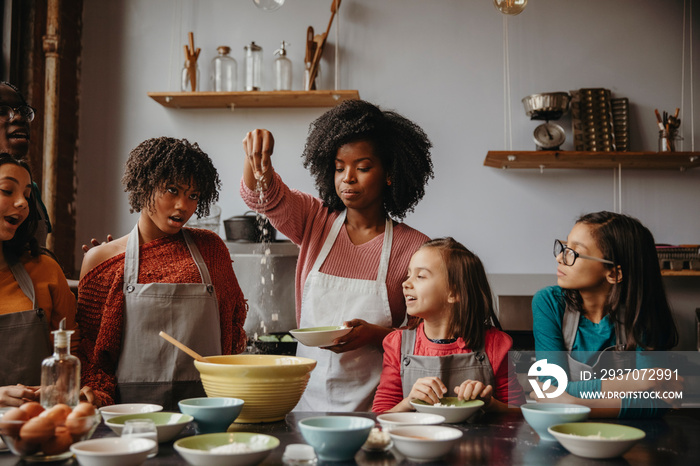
x: 35, y: 293
x: 160, y: 276
x: 371, y: 167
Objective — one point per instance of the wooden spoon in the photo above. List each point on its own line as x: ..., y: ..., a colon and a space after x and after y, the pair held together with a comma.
x: 321, y: 41
x: 184, y: 348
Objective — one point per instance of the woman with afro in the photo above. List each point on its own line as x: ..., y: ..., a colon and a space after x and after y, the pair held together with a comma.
x: 159, y: 277
x: 370, y: 167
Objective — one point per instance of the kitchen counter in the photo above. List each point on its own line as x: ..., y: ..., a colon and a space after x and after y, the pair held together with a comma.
x: 493, y: 439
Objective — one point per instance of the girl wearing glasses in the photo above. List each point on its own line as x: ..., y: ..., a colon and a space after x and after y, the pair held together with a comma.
x: 609, y: 296
x: 454, y: 344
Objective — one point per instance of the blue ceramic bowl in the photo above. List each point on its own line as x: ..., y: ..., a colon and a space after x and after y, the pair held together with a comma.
x: 541, y: 416
x: 336, y: 438
x: 212, y: 414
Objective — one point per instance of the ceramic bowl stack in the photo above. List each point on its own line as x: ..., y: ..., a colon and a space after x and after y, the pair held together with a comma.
x: 541, y: 416
x: 336, y: 438
x: 451, y: 408
x: 596, y: 439
x: 270, y: 385
x: 168, y: 425
x: 226, y: 448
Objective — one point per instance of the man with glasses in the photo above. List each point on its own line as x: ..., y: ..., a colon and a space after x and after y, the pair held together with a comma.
x: 15, y: 118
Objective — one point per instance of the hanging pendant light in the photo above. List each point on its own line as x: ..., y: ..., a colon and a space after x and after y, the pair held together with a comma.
x: 510, y: 7
x: 268, y: 5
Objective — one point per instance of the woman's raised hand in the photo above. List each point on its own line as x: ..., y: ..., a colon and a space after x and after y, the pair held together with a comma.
x: 258, y: 146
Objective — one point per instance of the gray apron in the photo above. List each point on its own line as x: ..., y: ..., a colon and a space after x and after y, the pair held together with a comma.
x: 452, y: 369
x: 24, y: 336
x: 151, y: 370
x: 612, y: 357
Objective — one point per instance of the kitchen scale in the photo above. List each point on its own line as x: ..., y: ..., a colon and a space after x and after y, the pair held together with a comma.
x: 547, y: 106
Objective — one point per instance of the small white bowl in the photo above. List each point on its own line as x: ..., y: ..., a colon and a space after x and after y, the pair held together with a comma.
x: 390, y: 421
x: 108, y: 412
x: 112, y: 451
x: 319, y: 336
x: 596, y: 439
x: 425, y: 443
x: 197, y: 449
x: 168, y: 425
x: 451, y: 408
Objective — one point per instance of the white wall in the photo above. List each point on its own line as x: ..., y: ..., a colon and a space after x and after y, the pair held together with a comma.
x: 438, y: 62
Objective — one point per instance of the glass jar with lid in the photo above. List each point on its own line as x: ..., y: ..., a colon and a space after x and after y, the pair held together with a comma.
x: 253, y: 67
x: 224, y: 71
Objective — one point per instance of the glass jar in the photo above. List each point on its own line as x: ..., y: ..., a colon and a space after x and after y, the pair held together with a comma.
x: 224, y: 71
x: 253, y: 67
x: 186, y: 78
x: 283, y: 69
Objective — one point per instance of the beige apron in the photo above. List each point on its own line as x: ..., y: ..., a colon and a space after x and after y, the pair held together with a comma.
x: 151, y: 370
x: 452, y: 370
x: 24, y: 336
x: 612, y: 357
x: 346, y: 381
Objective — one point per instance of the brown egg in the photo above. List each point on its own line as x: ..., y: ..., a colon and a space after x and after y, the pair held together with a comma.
x: 81, y: 419
x: 32, y: 408
x: 58, y: 413
x: 59, y: 443
x: 10, y: 422
x: 37, y: 429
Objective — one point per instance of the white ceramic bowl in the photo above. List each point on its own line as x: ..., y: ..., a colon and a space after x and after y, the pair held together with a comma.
x: 389, y: 421
x: 108, y: 412
x: 596, y: 439
x: 424, y: 443
x: 197, y: 450
x: 541, y: 416
x: 112, y: 451
x: 168, y: 425
x: 451, y: 408
x: 319, y: 336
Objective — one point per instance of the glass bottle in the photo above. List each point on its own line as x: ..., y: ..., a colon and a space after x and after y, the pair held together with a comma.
x: 253, y: 67
x: 60, y: 372
x: 283, y: 69
x: 185, y: 84
x: 224, y: 71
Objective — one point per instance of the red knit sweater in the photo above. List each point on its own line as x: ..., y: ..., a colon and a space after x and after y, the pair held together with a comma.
x: 166, y: 260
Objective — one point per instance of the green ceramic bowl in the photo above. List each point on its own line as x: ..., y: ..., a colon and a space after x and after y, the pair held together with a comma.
x: 451, y: 408
x: 167, y: 424
x: 596, y: 439
x: 197, y: 450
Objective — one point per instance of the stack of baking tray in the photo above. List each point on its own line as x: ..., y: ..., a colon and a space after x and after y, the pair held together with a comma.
x: 620, y: 113
x: 592, y: 120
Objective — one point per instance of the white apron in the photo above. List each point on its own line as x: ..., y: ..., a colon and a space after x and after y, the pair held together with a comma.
x: 24, y: 336
x: 151, y: 370
x: 347, y: 381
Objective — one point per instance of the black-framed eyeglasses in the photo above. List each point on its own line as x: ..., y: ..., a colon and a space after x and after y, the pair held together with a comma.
x: 8, y: 113
x: 569, y: 256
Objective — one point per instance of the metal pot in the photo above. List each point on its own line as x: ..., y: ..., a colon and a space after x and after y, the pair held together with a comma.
x: 246, y: 228
x: 546, y: 106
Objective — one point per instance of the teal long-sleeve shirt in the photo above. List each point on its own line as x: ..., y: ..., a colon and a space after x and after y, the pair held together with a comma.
x: 548, y: 307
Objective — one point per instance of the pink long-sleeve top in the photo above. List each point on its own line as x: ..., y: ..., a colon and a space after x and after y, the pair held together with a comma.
x: 304, y: 219
x: 506, y: 388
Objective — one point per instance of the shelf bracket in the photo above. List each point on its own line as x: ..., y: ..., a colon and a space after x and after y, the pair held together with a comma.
x: 168, y: 99
x: 232, y: 106
x: 541, y: 169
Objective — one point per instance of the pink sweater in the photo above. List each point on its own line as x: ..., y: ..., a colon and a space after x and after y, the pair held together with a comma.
x: 506, y: 388
x: 306, y: 221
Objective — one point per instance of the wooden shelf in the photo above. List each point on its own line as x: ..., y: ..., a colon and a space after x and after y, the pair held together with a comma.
x: 253, y: 99
x: 592, y: 160
x: 680, y: 273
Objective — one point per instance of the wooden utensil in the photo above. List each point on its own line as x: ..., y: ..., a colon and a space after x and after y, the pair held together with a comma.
x: 191, y: 56
x: 321, y: 41
x: 184, y: 348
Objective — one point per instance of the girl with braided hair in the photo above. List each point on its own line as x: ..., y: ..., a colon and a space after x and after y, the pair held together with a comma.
x: 161, y: 276
x: 370, y: 167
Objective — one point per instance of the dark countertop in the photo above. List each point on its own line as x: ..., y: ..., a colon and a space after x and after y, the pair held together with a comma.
x: 493, y: 439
